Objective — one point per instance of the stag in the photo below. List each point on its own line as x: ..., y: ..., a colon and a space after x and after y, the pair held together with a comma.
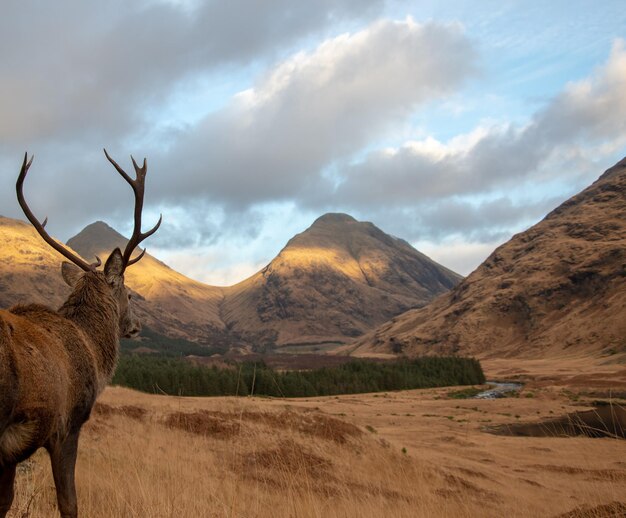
x: 53, y: 364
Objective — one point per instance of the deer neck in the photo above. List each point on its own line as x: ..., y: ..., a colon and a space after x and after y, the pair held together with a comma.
x: 92, y: 308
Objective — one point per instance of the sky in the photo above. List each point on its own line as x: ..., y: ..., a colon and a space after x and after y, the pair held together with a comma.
x: 452, y: 125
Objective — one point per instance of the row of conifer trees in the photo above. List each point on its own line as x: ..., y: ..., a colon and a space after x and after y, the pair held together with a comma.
x: 181, y: 377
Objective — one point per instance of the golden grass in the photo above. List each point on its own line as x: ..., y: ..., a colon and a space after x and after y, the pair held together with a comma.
x: 135, y: 465
x: 159, y: 456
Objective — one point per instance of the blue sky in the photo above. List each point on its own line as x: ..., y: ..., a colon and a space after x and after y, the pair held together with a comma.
x: 450, y: 124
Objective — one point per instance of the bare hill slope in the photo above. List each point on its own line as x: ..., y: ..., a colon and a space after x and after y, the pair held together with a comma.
x: 333, y: 282
x: 170, y: 302
x: 557, y: 289
x: 30, y: 271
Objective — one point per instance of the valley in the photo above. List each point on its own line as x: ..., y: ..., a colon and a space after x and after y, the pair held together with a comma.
x: 413, y: 453
x: 338, y: 259
x: 545, y: 310
x: 331, y: 283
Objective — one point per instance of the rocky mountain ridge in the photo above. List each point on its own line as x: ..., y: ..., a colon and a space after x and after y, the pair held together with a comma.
x: 559, y: 288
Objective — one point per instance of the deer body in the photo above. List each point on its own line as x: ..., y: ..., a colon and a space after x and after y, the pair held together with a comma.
x: 54, y: 398
x: 53, y: 365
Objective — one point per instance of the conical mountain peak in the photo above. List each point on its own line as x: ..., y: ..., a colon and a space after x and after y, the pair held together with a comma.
x: 332, y: 281
x: 97, y: 239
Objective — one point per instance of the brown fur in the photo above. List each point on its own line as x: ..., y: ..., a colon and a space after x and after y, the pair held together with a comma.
x: 53, y: 365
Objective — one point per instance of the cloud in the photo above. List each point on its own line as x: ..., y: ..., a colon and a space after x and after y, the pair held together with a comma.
x: 457, y: 254
x: 196, y: 225
x: 77, y: 70
x: 499, y: 156
x: 346, y: 125
x: 208, y: 264
x: 484, y: 221
x: 278, y: 140
x: 77, y: 76
x: 275, y: 140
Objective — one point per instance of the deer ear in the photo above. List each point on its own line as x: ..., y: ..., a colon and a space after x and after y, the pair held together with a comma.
x: 114, y: 267
x: 70, y: 273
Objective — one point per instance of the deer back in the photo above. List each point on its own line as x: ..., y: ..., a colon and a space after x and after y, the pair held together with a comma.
x: 54, y: 364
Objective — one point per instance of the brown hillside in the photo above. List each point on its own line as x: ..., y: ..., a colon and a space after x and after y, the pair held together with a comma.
x: 334, y: 281
x: 330, y: 283
x: 557, y: 289
x: 30, y: 271
x: 169, y: 302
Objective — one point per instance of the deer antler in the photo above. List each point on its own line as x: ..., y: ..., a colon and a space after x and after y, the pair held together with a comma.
x: 40, y: 226
x: 138, y: 186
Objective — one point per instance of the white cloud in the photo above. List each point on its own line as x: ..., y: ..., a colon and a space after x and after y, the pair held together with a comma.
x: 208, y: 264
x: 78, y: 76
x: 316, y: 108
x: 351, y: 124
x: 587, y: 117
x: 80, y: 70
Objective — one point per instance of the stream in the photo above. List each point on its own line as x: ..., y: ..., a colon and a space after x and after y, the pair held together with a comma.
x: 499, y: 389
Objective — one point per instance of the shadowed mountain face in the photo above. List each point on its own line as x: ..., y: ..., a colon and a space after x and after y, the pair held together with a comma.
x: 557, y: 289
x: 331, y: 283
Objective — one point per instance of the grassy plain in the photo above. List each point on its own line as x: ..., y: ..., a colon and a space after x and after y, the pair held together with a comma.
x: 398, y: 454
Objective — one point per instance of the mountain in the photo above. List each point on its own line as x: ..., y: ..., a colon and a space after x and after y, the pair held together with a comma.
x: 30, y: 271
x: 167, y: 301
x: 332, y: 283
x: 559, y: 288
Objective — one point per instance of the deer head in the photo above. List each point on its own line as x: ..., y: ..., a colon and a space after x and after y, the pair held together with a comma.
x: 113, y: 274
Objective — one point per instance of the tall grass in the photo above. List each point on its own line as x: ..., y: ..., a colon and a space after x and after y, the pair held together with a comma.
x: 142, y: 468
x: 159, y: 456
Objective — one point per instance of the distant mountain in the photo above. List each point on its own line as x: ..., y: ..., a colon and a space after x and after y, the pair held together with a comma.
x: 330, y: 284
x: 30, y: 271
x: 557, y: 289
x: 333, y: 282
x: 168, y: 302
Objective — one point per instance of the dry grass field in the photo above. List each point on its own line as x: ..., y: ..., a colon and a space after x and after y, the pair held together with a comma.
x: 414, y: 453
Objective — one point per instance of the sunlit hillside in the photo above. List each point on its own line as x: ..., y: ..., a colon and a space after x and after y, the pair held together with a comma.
x: 190, y: 308
x: 30, y: 271
x: 333, y: 282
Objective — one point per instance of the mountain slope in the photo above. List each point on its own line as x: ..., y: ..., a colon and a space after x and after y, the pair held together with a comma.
x: 168, y: 301
x: 333, y: 282
x: 557, y: 288
x: 30, y: 271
